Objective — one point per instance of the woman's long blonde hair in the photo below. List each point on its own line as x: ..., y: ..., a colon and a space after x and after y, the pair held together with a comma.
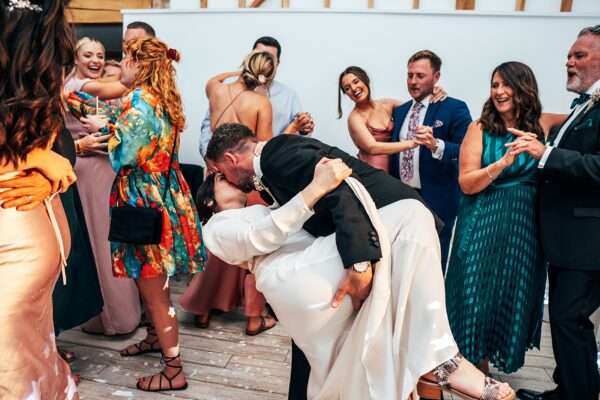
x: 157, y: 75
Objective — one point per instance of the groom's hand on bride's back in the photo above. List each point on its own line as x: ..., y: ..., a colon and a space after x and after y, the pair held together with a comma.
x: 355, y: 284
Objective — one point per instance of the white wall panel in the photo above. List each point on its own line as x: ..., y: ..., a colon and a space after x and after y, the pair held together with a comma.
x: 318, y: 45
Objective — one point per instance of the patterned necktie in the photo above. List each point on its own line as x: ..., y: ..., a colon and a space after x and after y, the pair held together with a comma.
x: 583, y: 97
x: 407, y: 157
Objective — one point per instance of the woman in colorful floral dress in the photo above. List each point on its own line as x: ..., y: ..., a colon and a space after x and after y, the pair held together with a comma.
x: 145, y: 138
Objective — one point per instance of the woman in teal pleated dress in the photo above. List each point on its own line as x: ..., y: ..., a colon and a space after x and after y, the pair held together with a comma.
x: 496, y: 274
x: 143, y: 149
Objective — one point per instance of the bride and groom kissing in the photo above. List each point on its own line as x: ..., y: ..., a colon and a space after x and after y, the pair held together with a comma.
x: 340, y: 227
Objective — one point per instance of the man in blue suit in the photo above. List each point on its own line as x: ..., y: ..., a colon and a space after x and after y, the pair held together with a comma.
x: 438, y: 128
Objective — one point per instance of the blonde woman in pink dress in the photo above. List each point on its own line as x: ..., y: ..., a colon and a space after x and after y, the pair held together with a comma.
x: 122, y: 310
x: 34, y: 239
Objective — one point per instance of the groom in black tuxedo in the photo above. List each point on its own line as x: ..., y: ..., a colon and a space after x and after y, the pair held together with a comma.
x: 282, y: 167
x: 569, y: 202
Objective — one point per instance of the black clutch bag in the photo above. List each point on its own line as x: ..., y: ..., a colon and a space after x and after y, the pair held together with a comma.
x: 139, y: 225
x: 135, y: 225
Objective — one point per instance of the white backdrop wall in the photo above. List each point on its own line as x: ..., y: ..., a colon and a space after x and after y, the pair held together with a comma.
x: 318, y: 45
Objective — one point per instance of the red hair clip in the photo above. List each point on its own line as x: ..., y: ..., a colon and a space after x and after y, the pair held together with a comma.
x: 172, y: 54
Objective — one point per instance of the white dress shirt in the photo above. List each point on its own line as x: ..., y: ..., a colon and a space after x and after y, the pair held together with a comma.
x: 415, y: 182
x: 578, y: 110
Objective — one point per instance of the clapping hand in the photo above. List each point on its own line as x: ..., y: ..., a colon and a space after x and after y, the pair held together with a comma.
x: 525, y: 142
x: 306, y: 124
x: 424, y: 136
x: 302, y: 124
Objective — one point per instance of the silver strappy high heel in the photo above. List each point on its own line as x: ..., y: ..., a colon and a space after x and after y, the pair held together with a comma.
x: 491, y: 387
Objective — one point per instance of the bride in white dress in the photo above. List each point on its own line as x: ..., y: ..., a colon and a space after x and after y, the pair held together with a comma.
x: 399, y: 337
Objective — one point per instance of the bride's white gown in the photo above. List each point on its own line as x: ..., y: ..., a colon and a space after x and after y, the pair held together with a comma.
x: 400, y: 333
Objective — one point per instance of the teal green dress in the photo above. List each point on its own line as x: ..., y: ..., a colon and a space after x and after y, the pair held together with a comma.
x: 496, y: 275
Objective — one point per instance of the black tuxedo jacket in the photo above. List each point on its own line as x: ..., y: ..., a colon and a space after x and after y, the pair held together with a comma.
x: 288, y: 162
x: 569, y: 196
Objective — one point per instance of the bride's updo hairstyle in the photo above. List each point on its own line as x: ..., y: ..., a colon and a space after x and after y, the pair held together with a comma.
x: 259, y: 68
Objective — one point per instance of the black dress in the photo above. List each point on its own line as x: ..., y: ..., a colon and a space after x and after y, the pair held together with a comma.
x: 81, y: 298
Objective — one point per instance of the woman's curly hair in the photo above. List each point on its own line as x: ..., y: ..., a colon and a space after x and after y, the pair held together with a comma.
x: 36, y: 48
x: 157, y: 75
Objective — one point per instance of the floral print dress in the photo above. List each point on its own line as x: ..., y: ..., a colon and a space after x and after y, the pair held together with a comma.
x: 140, y: 151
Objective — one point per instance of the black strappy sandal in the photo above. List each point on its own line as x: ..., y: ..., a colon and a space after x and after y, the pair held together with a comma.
x: 139, y: 347
x: 167, y: 362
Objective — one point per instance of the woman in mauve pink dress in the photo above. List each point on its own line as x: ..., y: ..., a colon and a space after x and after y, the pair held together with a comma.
x: 370, y: 121
x: 122, y: 311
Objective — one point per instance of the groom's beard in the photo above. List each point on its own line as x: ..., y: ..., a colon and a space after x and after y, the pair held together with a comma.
x: 246, y: 184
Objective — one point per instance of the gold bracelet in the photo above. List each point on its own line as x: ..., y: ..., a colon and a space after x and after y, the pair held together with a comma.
x: 487, y: 171
x: 77, y: 148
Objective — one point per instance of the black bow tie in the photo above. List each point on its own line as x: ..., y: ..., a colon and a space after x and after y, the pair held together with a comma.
x: 580, y: 100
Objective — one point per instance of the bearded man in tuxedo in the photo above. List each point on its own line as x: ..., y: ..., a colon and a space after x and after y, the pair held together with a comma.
x: 569, y: 202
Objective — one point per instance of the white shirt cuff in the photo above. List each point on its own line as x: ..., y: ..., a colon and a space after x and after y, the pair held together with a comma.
x: 439, y: 151
x: 292, y: 215
x: 545, y: 156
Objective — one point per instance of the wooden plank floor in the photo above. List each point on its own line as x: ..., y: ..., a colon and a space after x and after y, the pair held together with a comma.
x: 222, y: 363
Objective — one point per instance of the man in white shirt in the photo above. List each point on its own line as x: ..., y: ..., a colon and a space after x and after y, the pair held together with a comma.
x: 569, y: 214
x: 288, y: 116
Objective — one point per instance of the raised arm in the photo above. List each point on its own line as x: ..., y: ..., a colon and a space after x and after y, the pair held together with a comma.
x: 550, y: 120
x: 235, y: 239
x: 363, y: 139
x: 339, y: 211
x: 105, y: 90
x: 218, y: 80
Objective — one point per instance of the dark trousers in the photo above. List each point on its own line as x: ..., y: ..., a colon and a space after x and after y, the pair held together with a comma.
x: 299, y: 374
x: 574, y: 296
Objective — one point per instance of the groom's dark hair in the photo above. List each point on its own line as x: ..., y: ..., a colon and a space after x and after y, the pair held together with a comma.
x: 228, y: 137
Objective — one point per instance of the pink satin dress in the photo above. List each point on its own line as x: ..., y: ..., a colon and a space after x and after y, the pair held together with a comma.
x: 33, y: 247
x: 122, y: 309
x: 223, y: 286
x: 381, y: 135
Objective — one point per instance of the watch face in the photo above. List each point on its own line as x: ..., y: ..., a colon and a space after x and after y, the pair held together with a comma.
x: 361, y: 267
